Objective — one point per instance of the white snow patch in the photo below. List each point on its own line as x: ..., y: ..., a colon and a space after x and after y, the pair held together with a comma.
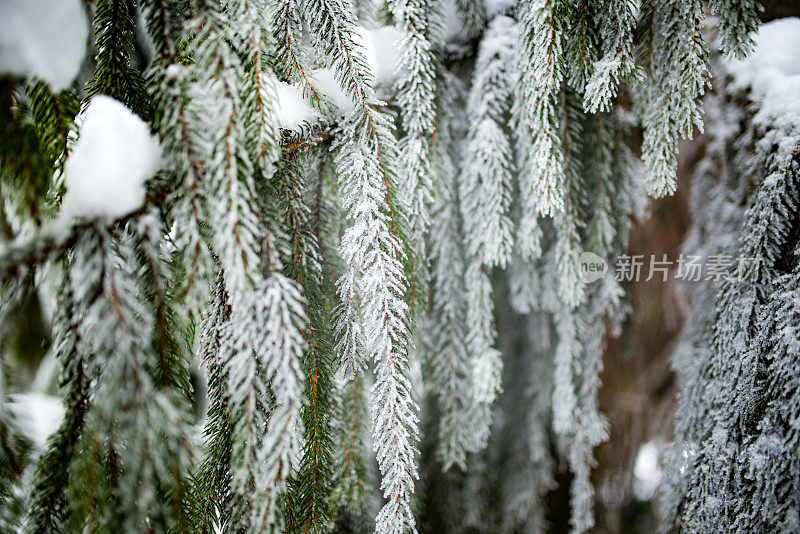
x: 772, y: 71
x: 174, y: 71
x: 501, y: 37
x: 293, y: 109
x: 44, y: 38
x: 380, y: 48
x: 493, y: 7
x: 324, y: 81
x: 38, y: 415
x: 114, y: 156
x: 383, y: 52
x: 452, y: 24
x: 363, y: 38
x: 646, y: 472
x: 47, y: 373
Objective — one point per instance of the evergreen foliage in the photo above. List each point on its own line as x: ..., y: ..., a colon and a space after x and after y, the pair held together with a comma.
x: 223, y: 349
x: 735, y: 450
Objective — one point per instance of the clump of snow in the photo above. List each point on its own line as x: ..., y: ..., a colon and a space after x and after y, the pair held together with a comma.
x: 380, y: 48
x: 383, y: 52
x: 363, y: 38
x: 493, y: 7
x: 44, y: 38
x: 293, y: 109
x: 109, y: 165
x: 772, y: 71
x: 325, y: 82
x: 776, y: 52
x: 174, y: 72
x: 646, y: 472
x: 452, y: 24
x: 38, y: 415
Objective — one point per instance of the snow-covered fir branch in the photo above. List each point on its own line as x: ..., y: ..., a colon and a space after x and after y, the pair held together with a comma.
x: 373, y: 285
x: 262, y: 343
x: 617, y: 22
x: 541, y: 72
x: 487, y: 167
x: 233, y: 233
x: 415, y: 98
x: 677, y: 57
x: 448, y: 361
x: 485, y: 198
x: 738, y: 356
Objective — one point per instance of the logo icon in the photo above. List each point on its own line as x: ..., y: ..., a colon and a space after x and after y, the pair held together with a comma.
x: 591, y: 267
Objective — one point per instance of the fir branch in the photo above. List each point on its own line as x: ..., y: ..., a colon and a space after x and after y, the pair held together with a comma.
x: 336, y: 39
x: 350, y: 475
x: 486, y: 174
x: 114, y: 23
x: 616, y: 25
x: 14, y: 453
x: 374, y: 273
x: 372, y: 249
x: 448, y: 360
x: 52, y: 114
x: 290, y: 59
x: 169, y: 343
x: 601, y: 228
x: 26, y: 168
x: 297, y: 146
x: 473, y: 13
x: 48, y: 506
x: 164, y: 25
x: 211, y: 485
x: 263, y: 344
x: 260, y: 99
x: 580, y: 43
x: 738, y: 22
x: 679, y: 75
x: 540, y: 64
x: 416, y: 87
x: 569, y: 223
x: 486, y: 362
x: 310, y: 488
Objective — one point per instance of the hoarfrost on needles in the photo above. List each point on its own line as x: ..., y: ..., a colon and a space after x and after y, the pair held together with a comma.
x: 44, y: 38
x: 106, y: 172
